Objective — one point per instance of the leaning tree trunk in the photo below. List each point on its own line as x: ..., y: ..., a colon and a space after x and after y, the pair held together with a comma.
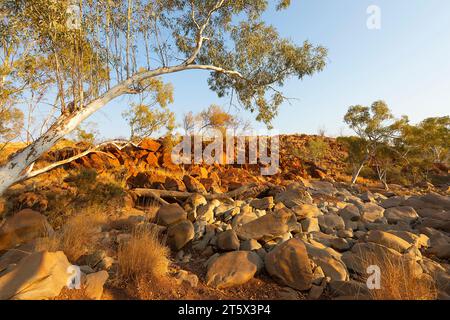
x: 16, y: 167
x: 14, y: 170
x: 357, y: 172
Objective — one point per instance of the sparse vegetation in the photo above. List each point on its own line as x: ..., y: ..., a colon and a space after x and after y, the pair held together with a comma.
x: 76, y: 236
x: 143, y: 257
x: 400, y: 280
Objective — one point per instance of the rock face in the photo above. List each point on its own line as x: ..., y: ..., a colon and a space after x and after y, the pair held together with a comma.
x: 180, y: 234
x: 170, y: 214
x: 41, y: 275
x: 232, y: 269
x: 267, y: 227
x: 22, y: 227
x: 289, y: 264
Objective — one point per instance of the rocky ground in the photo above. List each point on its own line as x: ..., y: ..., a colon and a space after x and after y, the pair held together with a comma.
x: 302, y: 234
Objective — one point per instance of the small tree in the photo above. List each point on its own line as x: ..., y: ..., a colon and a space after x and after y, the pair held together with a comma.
x: 188, y: 124
x: 87, y: 133
x: 426, y: 144
x: 144, y: 118
x: 375, y: 126
x: 317, y: 148
x: 215, y: 118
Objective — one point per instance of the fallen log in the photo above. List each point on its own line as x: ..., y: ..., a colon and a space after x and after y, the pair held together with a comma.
x: 249, y: 191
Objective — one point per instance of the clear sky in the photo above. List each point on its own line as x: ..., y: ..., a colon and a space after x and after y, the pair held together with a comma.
x: 406, y: 63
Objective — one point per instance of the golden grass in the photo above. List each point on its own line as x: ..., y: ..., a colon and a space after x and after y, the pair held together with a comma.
x: 400, y: 280
x: 143, y: 258
x: 77, y: 235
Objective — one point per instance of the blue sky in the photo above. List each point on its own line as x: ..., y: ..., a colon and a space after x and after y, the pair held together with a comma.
x: 404, y: 63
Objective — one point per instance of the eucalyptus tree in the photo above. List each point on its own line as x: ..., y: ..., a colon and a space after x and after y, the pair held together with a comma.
x: 98, y: 50
x: 376, y: 128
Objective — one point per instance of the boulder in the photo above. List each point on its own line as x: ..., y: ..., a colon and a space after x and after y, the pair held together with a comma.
x: 306, y: 211
x: 94, y: 284
x: 310, y: 225
x: 13, y: 256
x: 419, y: 241
x: 388, y: 240
x: 174, y: 184
x: 367, y: 197
x: 206, y: 212
x: 371, y: 212
x: 22, y: 227
x: 146, y: 180
x: 193, y: 185
x: 250, y: 245
x: 328, y: 260
x: 232, y: 269
x: 363, y: 255
x: 41, y: 275
x: 294, y: 195
x: 289, y: 264
x: 267, y: 227
x: 323, y: 187
x: 150, y: 145
x: 170, y: 214
x: 350, y: 212
x: 393, y: 202
x: 331, y: 221
x: 441, y: 251
x: 396, y: 214
x: 262, y: 204
x: 228, y: 241
x: 180, y: 234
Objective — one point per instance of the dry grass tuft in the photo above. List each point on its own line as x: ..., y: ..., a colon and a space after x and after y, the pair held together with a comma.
x: 400, y: 280
x: 144, y: 258
x: 77, y: 235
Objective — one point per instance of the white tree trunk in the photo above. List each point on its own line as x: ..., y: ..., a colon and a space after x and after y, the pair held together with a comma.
x: 356, y: 174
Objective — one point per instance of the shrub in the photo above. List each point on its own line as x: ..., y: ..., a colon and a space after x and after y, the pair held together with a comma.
x: 316, y: 149
x: 400, y: 280
x: 76, y: 236
x: 143, y: 257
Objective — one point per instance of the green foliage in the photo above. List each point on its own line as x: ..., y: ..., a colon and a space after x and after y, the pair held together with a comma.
x: 86, y: 133
x: 317, y: 149
x: 144, y: 119
x: 94, y: 191
x: 11, y: 123
x: 214, y: 118
x: 394, y: 149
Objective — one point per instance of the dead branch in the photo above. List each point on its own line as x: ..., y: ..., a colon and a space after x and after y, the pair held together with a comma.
x: 249, y: 191
x: 31, y: 174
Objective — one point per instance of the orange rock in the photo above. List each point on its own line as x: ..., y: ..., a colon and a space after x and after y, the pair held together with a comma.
x: 152, y: 160
x: 193, y: 185
x: 174, y: 184
x: 146, y: 180
x: 199, y: 172
x: 150, y: 144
